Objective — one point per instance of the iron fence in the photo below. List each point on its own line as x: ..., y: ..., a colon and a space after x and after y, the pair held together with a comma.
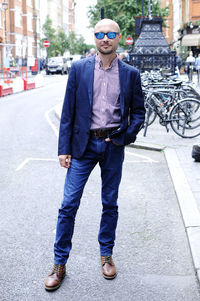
x: 148, y: 62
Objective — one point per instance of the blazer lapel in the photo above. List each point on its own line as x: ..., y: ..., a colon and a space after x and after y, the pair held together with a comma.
x: 122, y: 85
x: 90, y: 76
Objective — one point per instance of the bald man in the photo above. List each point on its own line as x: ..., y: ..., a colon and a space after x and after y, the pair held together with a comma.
x: 103, y: 111
x: 92, y: 52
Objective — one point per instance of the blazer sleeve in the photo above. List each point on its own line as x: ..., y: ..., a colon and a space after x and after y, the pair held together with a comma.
x: 67, y: 116
x: 136, y: 112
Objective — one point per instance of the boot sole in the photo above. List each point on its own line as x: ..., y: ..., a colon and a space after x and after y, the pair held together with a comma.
x: 52, y: 288
x: 109, y: 277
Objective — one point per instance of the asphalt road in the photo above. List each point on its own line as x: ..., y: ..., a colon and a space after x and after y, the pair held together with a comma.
x: 151, y: 253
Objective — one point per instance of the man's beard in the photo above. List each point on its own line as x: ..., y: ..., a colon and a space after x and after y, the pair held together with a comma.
x: 106, y: 52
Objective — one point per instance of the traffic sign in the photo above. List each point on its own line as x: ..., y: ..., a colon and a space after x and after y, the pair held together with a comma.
x: 46, y: 43
x: 129, y: 40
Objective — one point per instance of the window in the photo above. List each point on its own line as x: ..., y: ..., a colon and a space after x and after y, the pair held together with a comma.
x: 29, y: 22
x: 18, y: 46
x: 29, y: 3
x: 30, y: 47
x: 18, y: 18
x: 167, y: 29
x: 37, y: 26
x: 1, y: 19
x: 37, y: 4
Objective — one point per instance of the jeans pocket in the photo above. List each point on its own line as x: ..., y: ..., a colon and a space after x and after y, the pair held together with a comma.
x: 116, y: 144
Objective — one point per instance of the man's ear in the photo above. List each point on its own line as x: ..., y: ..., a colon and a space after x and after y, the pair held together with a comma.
x: 120, y: 36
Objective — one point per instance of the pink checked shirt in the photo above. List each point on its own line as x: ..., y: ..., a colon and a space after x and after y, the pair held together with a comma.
x: 106, y: 100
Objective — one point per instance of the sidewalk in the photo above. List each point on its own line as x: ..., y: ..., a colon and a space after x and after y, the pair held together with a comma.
x: 185, y: 174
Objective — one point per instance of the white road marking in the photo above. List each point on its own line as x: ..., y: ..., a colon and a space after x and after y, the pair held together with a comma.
x: 56, y: 133
x: 145, y: 158
x: 33, y: 159
x: 50, y: 122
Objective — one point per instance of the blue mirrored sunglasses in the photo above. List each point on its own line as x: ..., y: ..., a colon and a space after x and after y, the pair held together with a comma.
x: 110, y: 35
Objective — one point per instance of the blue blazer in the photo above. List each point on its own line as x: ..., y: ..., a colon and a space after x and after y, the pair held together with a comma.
x: 77, y: 107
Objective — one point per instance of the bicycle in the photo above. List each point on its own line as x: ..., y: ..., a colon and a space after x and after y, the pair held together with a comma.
x: 183, y: 116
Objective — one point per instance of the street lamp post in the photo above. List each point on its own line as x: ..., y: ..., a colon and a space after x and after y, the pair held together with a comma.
x: 37, y: 65
x: 35, y: 17
x: 142, y: 8
x: 102, y: 12
x: 4, y: 7
x: 150, y: 10
x: 5, y: 49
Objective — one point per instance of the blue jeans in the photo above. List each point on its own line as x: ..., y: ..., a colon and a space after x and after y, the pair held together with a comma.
x: 110, y: 158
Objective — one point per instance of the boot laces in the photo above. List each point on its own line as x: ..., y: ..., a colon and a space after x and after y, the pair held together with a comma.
x: 57, y: 268
x: 107, y: 259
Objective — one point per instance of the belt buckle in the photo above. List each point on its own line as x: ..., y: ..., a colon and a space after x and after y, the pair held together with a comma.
x: 100, y: 133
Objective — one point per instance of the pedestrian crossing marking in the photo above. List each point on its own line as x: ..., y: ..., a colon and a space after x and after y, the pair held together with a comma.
x: 27, y: 160
x: 50, y: 122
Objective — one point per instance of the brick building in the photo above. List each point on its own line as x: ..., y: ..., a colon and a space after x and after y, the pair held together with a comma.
x: 21, y: 23
x: 20, y: 31
x: 183, y: 31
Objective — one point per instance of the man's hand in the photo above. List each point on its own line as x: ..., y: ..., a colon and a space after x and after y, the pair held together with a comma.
x: 65, y: 160
x: 108, y: 140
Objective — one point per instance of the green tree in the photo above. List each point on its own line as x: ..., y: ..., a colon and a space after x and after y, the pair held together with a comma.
x: 76, y: 45
x: 60, y: 42
x: 123, y: 12
x: 49, y: 33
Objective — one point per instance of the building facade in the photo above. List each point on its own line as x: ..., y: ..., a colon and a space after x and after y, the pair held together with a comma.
x: 21, y: 24
x: 20, y: 31
x: 183, y: 25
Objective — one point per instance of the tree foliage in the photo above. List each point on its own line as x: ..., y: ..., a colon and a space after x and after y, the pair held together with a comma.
x: 60, y: 42
x: 76, y: 44
x: 124, y: 12
x: 49, y: 33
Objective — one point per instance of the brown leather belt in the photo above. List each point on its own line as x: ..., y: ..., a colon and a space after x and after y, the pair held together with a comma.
x: 102, y: 133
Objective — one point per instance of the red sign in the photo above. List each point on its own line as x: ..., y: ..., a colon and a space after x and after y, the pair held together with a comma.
x: 129, y: 40
x: 46, y: 43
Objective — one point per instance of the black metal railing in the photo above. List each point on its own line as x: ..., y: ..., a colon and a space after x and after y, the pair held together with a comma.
x: 148, y: 62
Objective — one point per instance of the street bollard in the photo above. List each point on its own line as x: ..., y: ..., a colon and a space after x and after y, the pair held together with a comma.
x: 198, y: 76
x: 190, y: 74
x: 190, y: 68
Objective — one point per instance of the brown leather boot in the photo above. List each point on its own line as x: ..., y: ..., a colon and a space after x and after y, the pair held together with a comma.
x: 54, y: 279
x: 108, y: 267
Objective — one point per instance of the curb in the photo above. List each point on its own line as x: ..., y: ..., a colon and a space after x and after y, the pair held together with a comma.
x: 147, y: 146
x: 187, y: 203
x: 188, y: 206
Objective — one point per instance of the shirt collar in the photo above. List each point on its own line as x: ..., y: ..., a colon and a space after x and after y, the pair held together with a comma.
x: 99, y: 62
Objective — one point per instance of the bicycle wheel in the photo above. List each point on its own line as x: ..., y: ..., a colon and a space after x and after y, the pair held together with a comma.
x: 150, y: 115
x: 185, y: 118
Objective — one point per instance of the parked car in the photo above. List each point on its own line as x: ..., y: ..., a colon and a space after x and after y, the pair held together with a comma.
x: 56, y: 64
x: 73, y: 58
